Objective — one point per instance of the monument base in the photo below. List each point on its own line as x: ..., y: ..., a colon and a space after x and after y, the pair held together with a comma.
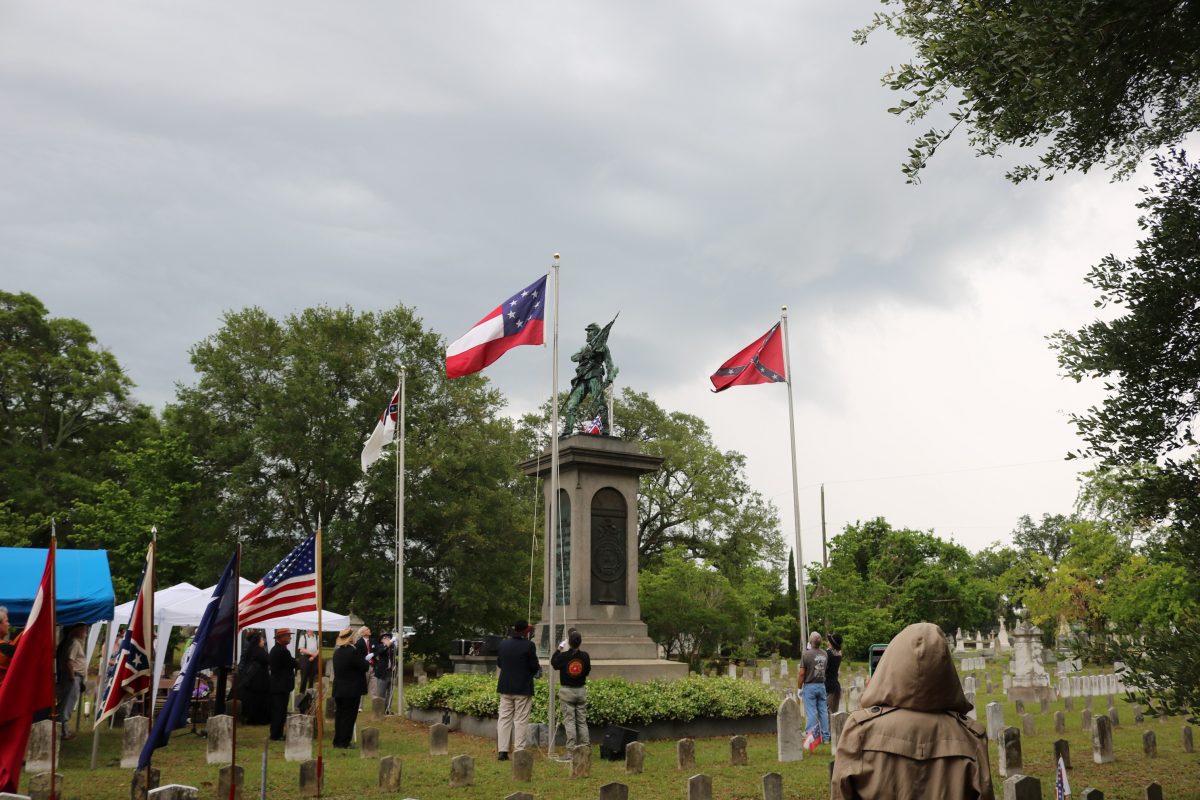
x: 617, y: 649
x: 1032, y: 694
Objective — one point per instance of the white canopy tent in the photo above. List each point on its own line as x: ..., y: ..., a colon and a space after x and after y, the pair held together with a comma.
x: 121, y: 613
x: 184, y: 604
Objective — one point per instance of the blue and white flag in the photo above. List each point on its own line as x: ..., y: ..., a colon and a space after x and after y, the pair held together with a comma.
x: 211, y: 647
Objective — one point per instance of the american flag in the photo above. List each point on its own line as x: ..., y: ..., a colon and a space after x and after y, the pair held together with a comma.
x: 290, y: 587
x: 131, y: 674
x: 594, y: 427
x: 1062, y: 789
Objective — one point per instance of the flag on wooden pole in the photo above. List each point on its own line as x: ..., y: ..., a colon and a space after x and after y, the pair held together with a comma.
x: 29, y: 682
x: 131, y: 675
x: 289, y: 588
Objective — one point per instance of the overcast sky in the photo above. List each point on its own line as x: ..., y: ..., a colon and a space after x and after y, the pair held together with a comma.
x: 697, y: 164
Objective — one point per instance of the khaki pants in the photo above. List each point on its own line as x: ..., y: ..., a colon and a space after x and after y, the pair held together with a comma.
x: 574, y: 713
x: 513, y: 723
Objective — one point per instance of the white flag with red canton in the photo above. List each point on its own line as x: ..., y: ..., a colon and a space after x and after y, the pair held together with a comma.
x: 289, y: 588
x: 384, y: 431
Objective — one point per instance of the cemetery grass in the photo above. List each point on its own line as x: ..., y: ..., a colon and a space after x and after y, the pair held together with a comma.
x: 348, y: 775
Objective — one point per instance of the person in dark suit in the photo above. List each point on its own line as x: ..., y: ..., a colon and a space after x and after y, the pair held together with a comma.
x: 350, y: 669
x: 283, y: 681
x: 518, y: 663
x: 254, y: 681
x: 381, y: 667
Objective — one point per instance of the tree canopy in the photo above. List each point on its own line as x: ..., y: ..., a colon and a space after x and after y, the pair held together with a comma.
x: 276, y: 422
x: 1143, y: 433
x: 1103, y: 82
x: 64, y: 406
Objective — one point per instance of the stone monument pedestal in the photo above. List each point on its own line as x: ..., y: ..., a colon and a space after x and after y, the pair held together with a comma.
x: 596, y: 561
x: 1030, y: 682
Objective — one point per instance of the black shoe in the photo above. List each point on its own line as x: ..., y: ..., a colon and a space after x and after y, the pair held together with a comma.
x: 503, y: 756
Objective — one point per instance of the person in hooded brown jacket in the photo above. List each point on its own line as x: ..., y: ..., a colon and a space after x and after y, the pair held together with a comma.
x: 911, y: 737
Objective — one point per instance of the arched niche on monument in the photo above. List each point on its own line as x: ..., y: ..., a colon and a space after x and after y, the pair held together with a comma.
x: 609, y: 536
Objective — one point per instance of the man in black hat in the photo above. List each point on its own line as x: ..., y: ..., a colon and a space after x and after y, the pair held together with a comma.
x: 283, y: 681
x: 518, y: 663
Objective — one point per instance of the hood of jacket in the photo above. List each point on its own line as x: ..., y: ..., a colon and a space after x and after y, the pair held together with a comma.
x: 917, y: 673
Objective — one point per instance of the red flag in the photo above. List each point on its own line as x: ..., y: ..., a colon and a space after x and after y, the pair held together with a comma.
x: 761, y: 362
x: 131, y: 675
x: 29, y: 683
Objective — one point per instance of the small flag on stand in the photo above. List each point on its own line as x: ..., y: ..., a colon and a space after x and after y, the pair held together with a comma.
x: 289, y: 588
x: 1062, y: 787
x: 595, y: 427
x: 518, y: 320
x: 760, y: 362
x: 211, y: 647
x: 383, y: 433
x: 131, y: 675
x: 29, y: 682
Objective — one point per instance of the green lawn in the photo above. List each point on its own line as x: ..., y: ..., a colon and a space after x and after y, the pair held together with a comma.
x: 425, y: 776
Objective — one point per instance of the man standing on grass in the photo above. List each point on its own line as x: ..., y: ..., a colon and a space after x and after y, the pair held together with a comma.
x: 518, y: 663
x: 573, y: 666
x: 810, y: 680
x: 283, y: 681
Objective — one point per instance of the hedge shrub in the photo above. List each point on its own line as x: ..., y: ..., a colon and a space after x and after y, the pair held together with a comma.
x: 611, y: 701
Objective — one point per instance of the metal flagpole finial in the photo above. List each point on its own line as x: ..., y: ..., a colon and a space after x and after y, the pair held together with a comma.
x: 783, y: 310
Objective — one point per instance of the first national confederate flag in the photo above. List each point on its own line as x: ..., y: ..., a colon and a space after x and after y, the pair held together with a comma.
x: 29, y: 683
x: 760, y: 362
x: 289, y: 588
x: 518, y: 320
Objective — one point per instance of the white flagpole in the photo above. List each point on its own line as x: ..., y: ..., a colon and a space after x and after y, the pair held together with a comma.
x: 787, y: 365
x: 398, y: 666
x: 552, y: 550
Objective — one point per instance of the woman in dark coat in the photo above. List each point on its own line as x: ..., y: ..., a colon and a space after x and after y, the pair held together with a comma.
x: 254, y: 681
x: 349, y: 685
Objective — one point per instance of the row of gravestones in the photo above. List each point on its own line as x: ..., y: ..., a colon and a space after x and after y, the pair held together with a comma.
x: 1027, y: 787
x: 1008, y: 740
x: 1089, y: 685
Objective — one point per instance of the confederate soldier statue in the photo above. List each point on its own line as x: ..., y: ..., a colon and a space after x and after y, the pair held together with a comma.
x: 593, y: 379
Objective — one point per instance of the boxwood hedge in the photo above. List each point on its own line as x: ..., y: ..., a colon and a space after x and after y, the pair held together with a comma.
x: 611, y: 701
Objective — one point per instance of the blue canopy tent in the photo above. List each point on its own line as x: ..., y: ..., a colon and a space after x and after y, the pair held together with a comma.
x: 83, y: 583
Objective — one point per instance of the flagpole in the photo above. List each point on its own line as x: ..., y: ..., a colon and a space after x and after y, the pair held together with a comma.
x: 101, y: 679
x: 320, y: 668
x: 53, y: 623
x: 787, y: 358
x: 153, y: 690
x: 237, y: 635
x: 552, y: 551
x: 398, y: 665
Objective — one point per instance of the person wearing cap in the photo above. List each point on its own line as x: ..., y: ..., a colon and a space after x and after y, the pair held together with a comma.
x: 912, y: 737
x: 518, y: 663
x: 833, y: 686
x: 349, y: 685
x: 573, y: 667
x: 283, y: 681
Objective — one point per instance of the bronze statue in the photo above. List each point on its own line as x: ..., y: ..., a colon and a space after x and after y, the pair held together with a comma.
x: 593, y: 377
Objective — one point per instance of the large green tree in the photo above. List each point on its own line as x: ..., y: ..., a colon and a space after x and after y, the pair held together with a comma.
x: 64, y: 406
x: 1147, y: 353
x: 881, y: 578
x: 1101, y: 82
x: 277, y: 420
